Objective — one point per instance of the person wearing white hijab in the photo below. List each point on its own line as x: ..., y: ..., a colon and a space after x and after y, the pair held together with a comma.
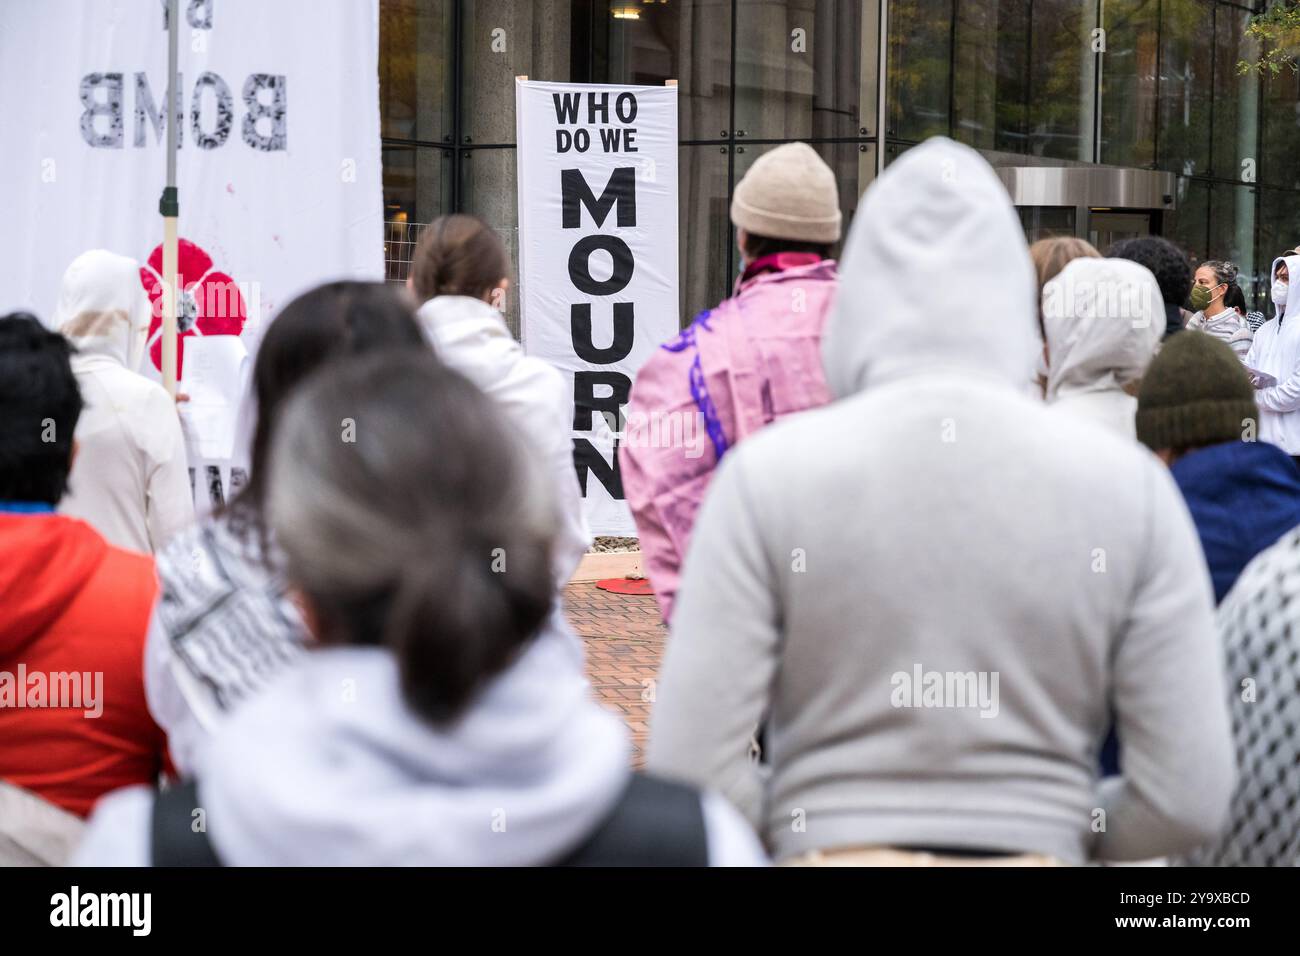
x: 130, y: 479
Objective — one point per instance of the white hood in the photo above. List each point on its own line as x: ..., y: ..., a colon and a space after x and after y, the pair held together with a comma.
x: 1104, y: 319
x: 1293, y: 295
x: 935, y: 274
x: 329, y: 767
x: 103, y: 309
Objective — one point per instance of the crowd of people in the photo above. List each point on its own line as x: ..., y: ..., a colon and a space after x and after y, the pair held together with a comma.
x: 988, y: 559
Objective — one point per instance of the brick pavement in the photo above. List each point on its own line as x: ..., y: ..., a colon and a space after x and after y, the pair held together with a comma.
x: 625, y: 641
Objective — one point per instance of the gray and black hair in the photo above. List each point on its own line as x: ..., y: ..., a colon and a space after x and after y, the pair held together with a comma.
x: 410, y: 518
x: 1225, y: 273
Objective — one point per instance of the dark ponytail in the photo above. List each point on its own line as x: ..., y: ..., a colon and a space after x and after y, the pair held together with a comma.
x: 424, y: 534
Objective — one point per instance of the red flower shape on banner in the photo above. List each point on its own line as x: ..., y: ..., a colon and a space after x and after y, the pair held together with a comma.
x: 209, y: 302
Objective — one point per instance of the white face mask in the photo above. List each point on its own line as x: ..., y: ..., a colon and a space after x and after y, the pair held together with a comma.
x: 1280, y: 287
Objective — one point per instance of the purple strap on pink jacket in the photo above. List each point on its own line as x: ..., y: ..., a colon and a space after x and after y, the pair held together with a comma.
x: 753, y: 359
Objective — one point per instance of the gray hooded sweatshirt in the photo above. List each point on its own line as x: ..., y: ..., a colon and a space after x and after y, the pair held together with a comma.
x: 936, y: 590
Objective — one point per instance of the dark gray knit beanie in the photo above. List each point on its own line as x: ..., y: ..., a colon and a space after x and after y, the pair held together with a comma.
x: 1195, y: 392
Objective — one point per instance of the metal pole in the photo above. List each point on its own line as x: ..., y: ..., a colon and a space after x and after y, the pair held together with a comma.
x: 169, y: 207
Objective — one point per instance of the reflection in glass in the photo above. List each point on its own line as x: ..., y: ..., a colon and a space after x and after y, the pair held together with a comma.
x: 991, y: 67
x: 704, y: 225
x: 1128, y: 81
x: 1186, y: 95
x: 1236, y: 98
x: 416, y: 191
x: 1062, y: 82
x: 502, y: 39
x: 686, y: 40
x: 920, y: 68
x: 415, y: 69
x: 806, y: 68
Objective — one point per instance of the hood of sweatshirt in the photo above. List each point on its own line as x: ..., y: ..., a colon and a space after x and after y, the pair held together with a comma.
x: 329, y: 767
x: 103, y: 308
x: 1104, y: 319
x: 1292, y: 299
x: 47, y: 560
x: 936, y: 274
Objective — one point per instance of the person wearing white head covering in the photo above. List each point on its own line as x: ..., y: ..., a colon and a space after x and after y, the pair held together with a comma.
x: 1103, y: 319
x: 130, y: 479
x: 868, y: 575
x: 1276, y: 353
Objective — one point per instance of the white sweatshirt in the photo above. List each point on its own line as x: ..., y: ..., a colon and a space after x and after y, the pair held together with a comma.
x: 130, y: 477
x: 1104, y: 319
x: 471, y: 337
x: 1276, y: 351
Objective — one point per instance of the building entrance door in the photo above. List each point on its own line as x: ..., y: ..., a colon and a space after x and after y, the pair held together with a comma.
x: 1107, y: 226
x: 1102, y: 204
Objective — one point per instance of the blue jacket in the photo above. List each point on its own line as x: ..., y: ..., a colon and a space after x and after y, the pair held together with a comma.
x: 1243, y: 497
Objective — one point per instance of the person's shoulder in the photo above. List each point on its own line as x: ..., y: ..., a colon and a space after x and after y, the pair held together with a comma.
x: 118, y: 831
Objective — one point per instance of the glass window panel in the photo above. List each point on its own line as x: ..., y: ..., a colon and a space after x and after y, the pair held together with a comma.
x: 1128, y: 81
x: 704, y: 227
x: 1232, y: 232
x: 686, y: 40
x: 489, y: 191
x: 1281, y: 132
x: 1186, y: 92
x: 415, y: 84
x: 416, y: 191
x: 1046, y: 222
x: 991, y: 63
x: 1236, y: 98
x: 1188, y: 224
x: 806, y: 69
x: 920, y: 68
x: 502, y: 39
x: 1279, y: 230
x: 1062, y: 81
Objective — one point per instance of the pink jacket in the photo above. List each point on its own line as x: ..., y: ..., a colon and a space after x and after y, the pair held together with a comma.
x: 753, y: 359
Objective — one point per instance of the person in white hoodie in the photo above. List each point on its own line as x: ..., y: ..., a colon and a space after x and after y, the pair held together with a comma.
x: 1102, y: 321
x: 130, y: 479
x: 1275, y: 352
x: 440, y: 720
x: 939, y: 590
x: 460, y: 275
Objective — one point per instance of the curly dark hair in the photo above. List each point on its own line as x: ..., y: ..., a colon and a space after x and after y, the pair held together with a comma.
x: 1168, y: 263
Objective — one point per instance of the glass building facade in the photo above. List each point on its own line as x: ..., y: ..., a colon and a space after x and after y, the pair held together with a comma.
x: 1140, y: 84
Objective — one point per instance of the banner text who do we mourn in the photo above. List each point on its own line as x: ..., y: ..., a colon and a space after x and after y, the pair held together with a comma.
x: 597, y: 174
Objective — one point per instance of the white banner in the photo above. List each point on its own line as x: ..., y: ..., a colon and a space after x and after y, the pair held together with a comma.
x: 597, y: 173
x: 278, y: 170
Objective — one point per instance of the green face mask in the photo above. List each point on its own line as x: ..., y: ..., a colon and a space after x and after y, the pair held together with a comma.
x: 1202, y: 296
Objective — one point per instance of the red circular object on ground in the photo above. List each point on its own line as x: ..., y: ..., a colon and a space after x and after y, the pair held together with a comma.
x: 626, y: 585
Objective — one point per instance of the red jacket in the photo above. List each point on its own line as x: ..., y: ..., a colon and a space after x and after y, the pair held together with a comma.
x: 74, y: 612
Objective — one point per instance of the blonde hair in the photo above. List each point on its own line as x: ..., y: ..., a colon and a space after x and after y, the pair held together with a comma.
x: 1052, y: 255
x: 1055, y: 253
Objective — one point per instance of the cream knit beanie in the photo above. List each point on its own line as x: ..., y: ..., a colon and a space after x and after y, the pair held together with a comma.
x: 789, y: 193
